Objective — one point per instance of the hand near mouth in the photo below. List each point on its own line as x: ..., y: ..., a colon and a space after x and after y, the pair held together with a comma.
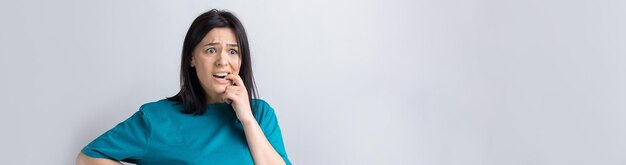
x: 237, y: 96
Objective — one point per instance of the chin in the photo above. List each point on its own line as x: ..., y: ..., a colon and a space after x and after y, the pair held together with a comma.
x: 219, y: 88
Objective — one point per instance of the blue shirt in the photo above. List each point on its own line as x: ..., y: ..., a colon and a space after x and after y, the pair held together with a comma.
x: 160, y: 134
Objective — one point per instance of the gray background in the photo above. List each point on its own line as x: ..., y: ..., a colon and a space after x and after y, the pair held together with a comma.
x: 437, y: 82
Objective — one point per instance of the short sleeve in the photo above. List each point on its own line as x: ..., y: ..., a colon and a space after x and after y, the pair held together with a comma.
x: 125, y: 142
x: 269, y: 124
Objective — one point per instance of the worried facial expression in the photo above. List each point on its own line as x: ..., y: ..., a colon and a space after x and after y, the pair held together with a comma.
x: 216, y: 56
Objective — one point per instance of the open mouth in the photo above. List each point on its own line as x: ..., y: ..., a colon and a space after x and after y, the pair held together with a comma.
x: 220, y: 75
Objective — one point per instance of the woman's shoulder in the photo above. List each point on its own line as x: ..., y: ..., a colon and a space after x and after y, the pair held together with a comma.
x: 161, y: 106
x: 260, y: 104
x: 261, y: 107
x: 165, y: 106
x: 259, y: 101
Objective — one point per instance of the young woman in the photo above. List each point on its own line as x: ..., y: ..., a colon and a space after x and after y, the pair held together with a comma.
x: 214, y: 119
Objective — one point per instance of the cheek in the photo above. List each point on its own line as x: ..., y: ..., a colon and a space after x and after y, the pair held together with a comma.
x: 203, y: 69
x: 236, y: 63
x: 202, y: 74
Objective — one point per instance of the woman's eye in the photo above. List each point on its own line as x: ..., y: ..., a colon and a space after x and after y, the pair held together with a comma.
x: 210, y: 50
x: 232, y: 51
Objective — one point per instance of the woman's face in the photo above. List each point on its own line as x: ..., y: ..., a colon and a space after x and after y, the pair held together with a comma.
x: 213, y: 58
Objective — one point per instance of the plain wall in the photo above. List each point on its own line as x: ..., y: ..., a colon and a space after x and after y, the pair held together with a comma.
x: 434, y: 82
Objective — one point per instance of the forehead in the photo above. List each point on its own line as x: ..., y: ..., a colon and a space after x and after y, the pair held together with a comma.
x: 222, y: 35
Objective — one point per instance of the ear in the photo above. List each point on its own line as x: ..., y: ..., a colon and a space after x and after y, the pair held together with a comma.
x: 192, y: 63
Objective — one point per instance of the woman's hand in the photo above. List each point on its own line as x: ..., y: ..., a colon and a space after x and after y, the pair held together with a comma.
x: 237, y: 96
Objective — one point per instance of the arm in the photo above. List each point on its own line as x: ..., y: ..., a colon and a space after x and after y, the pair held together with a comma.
x: 262, y: 151
x: 83, y: 159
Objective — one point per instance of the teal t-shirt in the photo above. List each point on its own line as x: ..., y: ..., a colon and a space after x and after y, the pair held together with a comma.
x: 160, y: 134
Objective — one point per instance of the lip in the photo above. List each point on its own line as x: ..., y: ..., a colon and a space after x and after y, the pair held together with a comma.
x: 225, y: 71
x: 221, y: 80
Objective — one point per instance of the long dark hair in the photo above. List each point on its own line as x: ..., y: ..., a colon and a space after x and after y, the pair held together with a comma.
x: 191, y: 94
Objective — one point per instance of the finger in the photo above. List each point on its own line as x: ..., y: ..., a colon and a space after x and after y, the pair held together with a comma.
x: 232, y: 95
x: 237, y: 81
x: 233, y: 90
x: 226, y: 97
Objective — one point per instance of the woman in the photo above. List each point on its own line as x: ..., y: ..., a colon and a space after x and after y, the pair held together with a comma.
x: 214, y: 118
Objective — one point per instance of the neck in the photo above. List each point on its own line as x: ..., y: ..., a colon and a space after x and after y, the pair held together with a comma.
x: 213, y: 98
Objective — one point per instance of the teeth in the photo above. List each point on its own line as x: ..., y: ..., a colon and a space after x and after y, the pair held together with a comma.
x: 220, y: 75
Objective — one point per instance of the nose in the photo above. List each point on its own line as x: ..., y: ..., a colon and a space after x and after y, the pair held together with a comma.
x: 222, y: 59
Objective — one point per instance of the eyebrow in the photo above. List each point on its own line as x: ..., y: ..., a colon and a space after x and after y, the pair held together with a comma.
x: 217, y: 43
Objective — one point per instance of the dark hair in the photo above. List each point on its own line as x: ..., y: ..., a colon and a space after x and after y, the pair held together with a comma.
x: 191, y: 94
